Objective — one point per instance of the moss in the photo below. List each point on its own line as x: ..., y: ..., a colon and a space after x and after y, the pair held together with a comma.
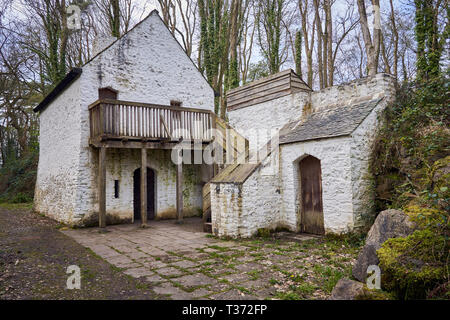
x: 263, y: 232
x: 426, y: 217
x: 413, y: 265
x: 374, y: 294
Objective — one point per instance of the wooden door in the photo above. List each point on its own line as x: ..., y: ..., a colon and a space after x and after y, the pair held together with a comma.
x: 311, y: 196
x: 150, y: 194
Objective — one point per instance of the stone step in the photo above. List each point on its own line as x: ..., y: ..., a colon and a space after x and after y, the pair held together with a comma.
x: 207, y: 227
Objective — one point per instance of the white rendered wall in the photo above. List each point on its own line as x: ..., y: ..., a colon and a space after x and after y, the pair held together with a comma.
x: 268, y: 116
x: 362, y: 145
x: 56, y: 182
x: 335, y: 162
x: 239, y: 210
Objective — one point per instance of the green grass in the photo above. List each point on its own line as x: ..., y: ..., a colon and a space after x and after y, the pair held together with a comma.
x: 15, y: 206
x: 254, y: 274
x: 218, y: 248
x: 287, y: 295
x: 328, y: 276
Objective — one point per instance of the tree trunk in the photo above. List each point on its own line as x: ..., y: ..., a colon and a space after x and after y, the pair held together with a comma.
x: 372, y: 46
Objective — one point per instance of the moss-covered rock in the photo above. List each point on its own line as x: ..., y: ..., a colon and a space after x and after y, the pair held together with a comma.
x: 413, y: 265
x: 374, y: 294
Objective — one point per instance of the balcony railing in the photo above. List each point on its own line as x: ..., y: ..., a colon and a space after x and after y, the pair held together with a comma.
x: 116, y: 119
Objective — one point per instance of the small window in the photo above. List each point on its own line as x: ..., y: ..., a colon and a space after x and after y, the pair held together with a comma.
x: 175, y: 103
x: 116, y: 189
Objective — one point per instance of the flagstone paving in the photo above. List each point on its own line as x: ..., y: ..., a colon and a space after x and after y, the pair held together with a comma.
x: 180, y: 261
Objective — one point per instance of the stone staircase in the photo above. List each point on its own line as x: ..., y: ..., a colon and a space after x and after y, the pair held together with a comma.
x: 234, y: 145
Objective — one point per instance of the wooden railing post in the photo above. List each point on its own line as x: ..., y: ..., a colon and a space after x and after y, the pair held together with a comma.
x: 102, y: 187
x: 179, y: 186
x: 143, y: 187
x: 102, y: 118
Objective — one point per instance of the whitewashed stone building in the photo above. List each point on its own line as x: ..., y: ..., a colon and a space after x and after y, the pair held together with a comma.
x: 109, y: 129
x: 317, y: 180
x: 146, y: 65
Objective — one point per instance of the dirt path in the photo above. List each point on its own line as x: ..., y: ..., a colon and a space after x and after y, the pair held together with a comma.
x: 34, y: 257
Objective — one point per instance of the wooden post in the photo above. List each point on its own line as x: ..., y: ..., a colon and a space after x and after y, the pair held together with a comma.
x: 101, y: 187
x: 179, y: 187
x: 144, y: 188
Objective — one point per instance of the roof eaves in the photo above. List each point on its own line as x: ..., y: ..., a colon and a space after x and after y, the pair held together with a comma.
x: 58, y: 89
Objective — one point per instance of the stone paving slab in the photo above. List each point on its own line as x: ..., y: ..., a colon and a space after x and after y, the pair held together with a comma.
x: 183, y: 263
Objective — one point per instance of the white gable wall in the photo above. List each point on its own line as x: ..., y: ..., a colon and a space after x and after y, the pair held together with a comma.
x: 59, y: 148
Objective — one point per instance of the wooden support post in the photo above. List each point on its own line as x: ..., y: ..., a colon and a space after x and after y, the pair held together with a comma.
x: 102, y: 187
x: 144, y: 188
x: 179, y: 187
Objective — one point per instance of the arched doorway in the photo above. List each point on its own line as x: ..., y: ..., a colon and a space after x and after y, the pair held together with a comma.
x: 150, y: 194
x: 311, y: 196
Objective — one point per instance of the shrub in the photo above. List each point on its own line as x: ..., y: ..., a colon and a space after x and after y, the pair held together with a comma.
x: 413, y: 144
x: 411, y: 167
x: 18, y: 177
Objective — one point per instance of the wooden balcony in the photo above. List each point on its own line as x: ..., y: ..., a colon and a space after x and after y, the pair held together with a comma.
x: 125, y: 124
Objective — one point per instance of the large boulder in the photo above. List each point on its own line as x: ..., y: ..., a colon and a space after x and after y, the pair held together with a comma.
x: 347, y: 289
x: 389, y: 224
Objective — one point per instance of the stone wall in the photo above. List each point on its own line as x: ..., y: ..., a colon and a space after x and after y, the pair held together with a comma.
x: 268, y: 116
x: 334, y: 156
x: 348, y: 93
x: 145, y: 65
x: 362, y: 145
x: 59, y: 148
x: 239, y: 210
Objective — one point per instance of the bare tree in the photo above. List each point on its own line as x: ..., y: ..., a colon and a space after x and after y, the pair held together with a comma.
x: 186, y: 11
x: 115, y: 16
x: 271, y: 32
x: 245, y: 45
x: 371, y: 41
x: 308, y: 31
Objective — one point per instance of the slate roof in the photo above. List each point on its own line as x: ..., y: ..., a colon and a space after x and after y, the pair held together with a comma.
x: 335, y: 122
x: 60, y: 87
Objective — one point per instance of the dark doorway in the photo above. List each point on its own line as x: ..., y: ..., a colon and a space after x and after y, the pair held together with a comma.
x: 311, y: 196
x: 150, y: 194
